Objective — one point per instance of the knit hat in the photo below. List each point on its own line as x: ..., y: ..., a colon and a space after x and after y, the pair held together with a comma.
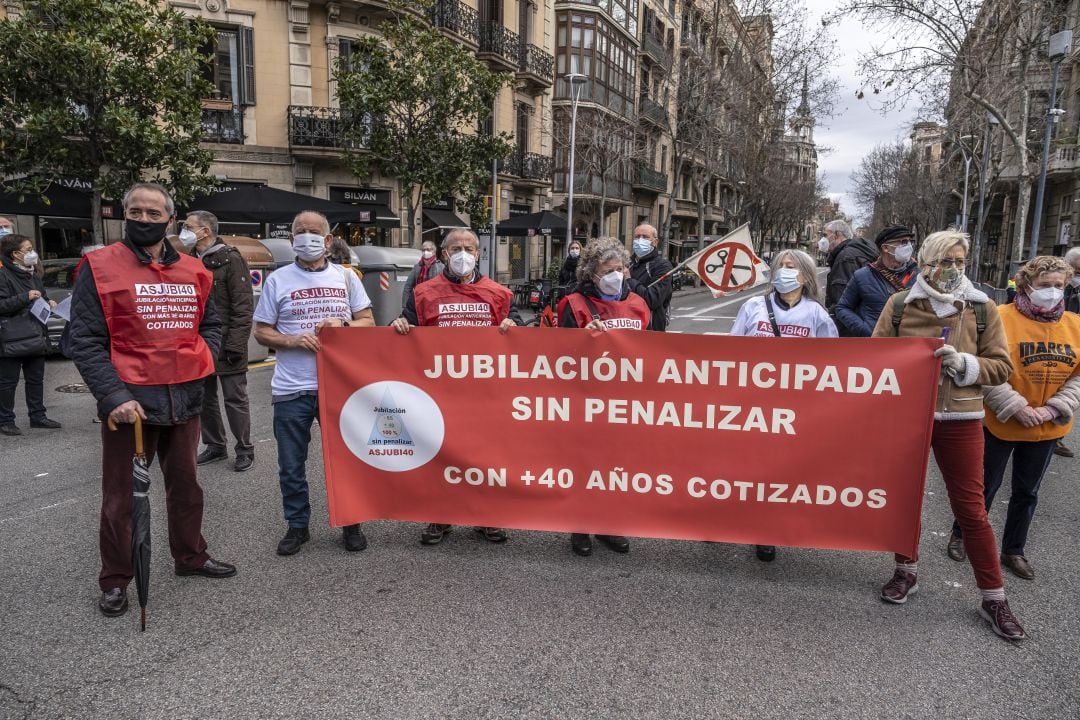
x: 893, y: 232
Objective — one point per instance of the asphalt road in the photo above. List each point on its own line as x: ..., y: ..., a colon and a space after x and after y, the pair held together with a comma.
x: 524, y: 630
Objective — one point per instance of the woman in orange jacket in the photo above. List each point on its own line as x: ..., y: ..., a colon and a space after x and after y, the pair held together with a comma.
x: 1027, y: 415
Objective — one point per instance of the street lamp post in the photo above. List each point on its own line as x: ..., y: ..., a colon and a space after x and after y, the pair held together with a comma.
x: 577, y: 81
x: 1059, y: 48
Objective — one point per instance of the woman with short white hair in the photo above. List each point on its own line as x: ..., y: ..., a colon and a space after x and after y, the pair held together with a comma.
x: 944, y: 304
x: 792, y: 309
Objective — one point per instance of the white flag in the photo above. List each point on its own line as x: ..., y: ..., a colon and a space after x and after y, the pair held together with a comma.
x: 730, y: 264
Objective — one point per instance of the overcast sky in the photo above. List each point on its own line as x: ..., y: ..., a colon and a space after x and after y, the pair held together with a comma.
x: 855, y: 128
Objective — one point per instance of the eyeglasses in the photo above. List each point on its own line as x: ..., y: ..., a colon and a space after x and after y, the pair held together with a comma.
x: 950, y: 262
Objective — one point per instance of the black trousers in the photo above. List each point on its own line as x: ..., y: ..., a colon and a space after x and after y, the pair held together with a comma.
x: 33, y: 370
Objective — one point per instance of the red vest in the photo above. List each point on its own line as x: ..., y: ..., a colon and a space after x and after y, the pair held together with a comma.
x: 629, y: 314
x: 442, y: 303
x: 153, y: 312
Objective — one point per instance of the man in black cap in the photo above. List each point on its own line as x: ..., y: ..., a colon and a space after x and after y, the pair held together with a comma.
x: 895, y: 269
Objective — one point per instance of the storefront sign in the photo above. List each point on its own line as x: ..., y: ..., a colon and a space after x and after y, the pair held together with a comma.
x: 359, y: 196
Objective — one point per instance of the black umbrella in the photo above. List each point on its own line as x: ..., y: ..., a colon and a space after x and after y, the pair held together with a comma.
x: 140, y: 519
x: 262, y: 204
x: 538, y: 222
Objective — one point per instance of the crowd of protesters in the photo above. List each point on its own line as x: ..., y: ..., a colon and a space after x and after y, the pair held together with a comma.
x: 1009, y: 385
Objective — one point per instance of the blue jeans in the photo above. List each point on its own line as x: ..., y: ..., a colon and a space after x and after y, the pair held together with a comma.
x: 292, y: 430
x: 1029, y: 463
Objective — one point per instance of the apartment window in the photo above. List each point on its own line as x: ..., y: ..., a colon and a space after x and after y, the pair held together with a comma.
x: 232, y: 67
x: 588, y: 44
x: 663, y: 158
x: 521, y: 128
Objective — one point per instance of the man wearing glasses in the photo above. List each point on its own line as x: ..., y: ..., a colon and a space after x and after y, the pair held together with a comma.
x: 144, y: 334
x: 846, y: 255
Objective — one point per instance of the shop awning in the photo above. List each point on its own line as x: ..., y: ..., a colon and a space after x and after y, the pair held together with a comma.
x: 379, y: 216
x: 441, y: 220
x: 262, y: 204
x: 58, y: 201
x: 538, y: 222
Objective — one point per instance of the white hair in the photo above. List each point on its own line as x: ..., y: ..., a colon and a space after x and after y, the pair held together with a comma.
x: 1072, y: 256
x: 935, y: 245
x: 806, y: 267
x: 841, y: 227
x: 322, y: 219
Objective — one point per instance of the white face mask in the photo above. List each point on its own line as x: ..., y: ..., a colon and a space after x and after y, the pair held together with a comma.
x: 786, y: 280
x: 188, y: 238
x: 575, y: 253
x: 1046, y: 298
x: 823, y: 244
x: 902, y: 253
x: 610, y: 284
x: 309, y: 247
x: 462, y: 263
x: 427, y: 254
x: 30, y: 259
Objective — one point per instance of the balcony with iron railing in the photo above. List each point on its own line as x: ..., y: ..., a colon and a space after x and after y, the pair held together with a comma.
x: 499, y: 45
x: 319, y: 127
x: 223, y: 126
x: 652, y: 111
x: 646, y: 178
x: 537, y: 67
x: 457, y: 18
x: 531, y: 167
x: 1064, y: 159
x: 653, y: 47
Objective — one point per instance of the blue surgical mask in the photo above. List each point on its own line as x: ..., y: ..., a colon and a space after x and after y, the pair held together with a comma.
x: 642, y: 246
x: 786, y: 280
x: 5, y: 230
x: 188, y: 238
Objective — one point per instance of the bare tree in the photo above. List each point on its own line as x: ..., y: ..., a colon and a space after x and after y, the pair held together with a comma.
x: 971, y: 57
x: 891, y: 185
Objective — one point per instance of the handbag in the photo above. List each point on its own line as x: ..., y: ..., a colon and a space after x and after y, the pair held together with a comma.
x: 22, y: 336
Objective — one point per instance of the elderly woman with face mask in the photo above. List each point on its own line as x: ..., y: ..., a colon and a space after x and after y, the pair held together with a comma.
x: 23, y: 340
x: 602, y: 301
x: 944, y: 304
x: 428, y: 268
x: 792, y: 309
x: 1029, y: 413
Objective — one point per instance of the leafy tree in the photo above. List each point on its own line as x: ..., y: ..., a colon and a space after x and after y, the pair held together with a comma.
x: 414, y: 101
x: 102, y: 90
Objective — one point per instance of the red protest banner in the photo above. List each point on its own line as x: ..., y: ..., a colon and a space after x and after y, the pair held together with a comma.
x: 808, y: 442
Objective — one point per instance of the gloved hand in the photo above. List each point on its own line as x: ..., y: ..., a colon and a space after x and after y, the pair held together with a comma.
x: 1046, y: 414
x: 1028, y: 417
x: 952, y: 362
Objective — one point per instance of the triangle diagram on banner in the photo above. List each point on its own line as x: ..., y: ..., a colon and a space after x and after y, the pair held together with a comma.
x: 389, y: 427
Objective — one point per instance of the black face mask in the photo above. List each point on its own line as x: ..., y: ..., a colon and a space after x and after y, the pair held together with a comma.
x: 145, y: 234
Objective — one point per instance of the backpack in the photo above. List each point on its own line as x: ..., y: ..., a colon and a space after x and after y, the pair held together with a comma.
x: 898, y: 314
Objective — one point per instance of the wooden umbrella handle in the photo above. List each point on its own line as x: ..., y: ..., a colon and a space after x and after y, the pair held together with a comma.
x: 138, y: 433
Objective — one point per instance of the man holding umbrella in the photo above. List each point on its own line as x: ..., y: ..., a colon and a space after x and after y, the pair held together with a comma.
x: 144, y: 335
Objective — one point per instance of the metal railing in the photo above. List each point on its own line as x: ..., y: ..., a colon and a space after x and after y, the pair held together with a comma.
x: 529, y: 166
x: 496, y: 39
x: 319, y: 127
x: 652, y: 111
x: 536, y: 61
x: 647, y: 177
x: 223, y: 126
x: 654, y: 48
x: 456, y: 17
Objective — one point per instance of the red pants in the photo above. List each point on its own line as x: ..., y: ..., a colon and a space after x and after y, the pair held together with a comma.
x: 175, y: 447
x: 958, y: 451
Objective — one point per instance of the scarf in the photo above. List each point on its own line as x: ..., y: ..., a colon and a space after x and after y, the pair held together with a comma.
x: 897, y: 278
x: 946, y: 304
x: 1039, y: 314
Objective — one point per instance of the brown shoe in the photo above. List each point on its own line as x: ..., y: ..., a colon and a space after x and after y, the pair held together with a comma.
x: 1062, y: 449
x: 1001, y: 619
x: 956, y: 548
x: 901, y: 585
x: 1019, y: 566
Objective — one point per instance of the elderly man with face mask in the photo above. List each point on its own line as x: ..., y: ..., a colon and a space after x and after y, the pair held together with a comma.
x: 871, y: 286
x: 460, y: 297
x: 296, y: 301
x: 647, y: 266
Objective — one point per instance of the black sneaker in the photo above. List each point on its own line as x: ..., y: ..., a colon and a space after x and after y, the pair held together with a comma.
x: 765, y: 553
x: 354, y: 538
x: 491, y: 534
x: 616, y: 543
x: 434, y: 533
x: 581, y: 544
x: 210, y: 455
x: 10, y: 429
x: 294, y: 538
x: 113, y: 602
x: 46, y: 424
x: 243, y: 463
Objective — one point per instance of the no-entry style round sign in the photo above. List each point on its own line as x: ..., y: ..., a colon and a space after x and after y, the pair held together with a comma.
x: 729, y: 267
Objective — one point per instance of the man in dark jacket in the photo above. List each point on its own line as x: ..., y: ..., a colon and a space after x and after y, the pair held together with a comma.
x: 143, y: 336
x: 871, y: 286
x: 1072, y: 304
x: 646, y: 267
x: 234, y: 302
x: 846, y: 255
